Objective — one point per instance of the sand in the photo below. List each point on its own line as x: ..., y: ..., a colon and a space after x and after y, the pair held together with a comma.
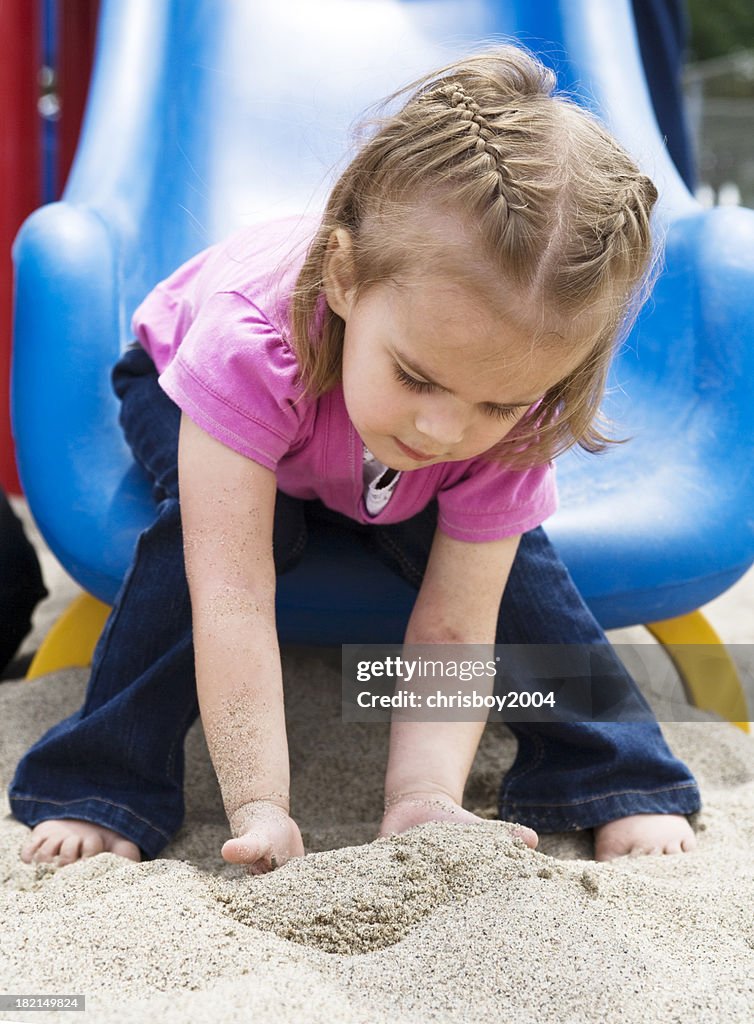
x: 444, y: 923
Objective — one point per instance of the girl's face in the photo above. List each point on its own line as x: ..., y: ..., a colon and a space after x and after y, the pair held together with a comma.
x: 417, y: 378
x: 429, y: 376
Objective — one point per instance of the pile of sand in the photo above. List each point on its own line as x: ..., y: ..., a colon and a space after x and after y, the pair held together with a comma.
x: 444, y: 923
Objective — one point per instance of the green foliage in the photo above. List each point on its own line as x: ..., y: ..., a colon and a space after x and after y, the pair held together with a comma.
x: 719, y: 27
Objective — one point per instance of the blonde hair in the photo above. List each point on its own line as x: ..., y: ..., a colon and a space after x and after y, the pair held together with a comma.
x: 552, y: 205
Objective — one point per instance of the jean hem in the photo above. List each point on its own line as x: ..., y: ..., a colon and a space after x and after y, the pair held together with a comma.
x: 31, y: 810
x: 581, y: 814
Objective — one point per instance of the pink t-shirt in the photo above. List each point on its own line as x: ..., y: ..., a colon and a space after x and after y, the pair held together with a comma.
x: 218, y: 331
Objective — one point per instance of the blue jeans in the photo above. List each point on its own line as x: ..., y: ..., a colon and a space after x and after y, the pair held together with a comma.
x: 118, y: 761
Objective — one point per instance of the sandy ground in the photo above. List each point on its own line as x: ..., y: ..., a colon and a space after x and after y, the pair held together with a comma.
x: 445, y: 923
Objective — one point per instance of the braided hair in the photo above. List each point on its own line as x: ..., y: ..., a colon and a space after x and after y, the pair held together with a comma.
x: 555, y: 211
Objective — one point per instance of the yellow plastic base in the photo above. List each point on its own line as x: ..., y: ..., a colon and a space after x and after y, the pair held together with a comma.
x: 71, y: 641
x: 711, y: 679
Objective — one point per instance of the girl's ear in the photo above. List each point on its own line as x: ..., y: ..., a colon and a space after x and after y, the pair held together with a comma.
x: 338, y: 273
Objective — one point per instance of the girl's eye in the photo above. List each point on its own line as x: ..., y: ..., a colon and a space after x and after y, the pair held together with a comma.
x: 499, y: 412
x: 422, y: 386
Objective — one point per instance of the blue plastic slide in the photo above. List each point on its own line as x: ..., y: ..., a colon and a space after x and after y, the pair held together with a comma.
x: 205, y: 114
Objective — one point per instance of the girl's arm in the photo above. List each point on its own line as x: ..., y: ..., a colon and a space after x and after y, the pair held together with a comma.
x: 227, y: 513
x: 458, y: 603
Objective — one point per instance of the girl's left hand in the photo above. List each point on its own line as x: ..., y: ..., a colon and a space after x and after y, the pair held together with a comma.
x: 419, y: 807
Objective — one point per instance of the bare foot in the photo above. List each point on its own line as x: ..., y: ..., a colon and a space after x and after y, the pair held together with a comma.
x: 404, y: 812
x: 71, y: 839
x: 642, y: 834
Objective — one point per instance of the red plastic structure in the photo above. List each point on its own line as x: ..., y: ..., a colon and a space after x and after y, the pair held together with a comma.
x: 21, y: 156
x: 20, y: 181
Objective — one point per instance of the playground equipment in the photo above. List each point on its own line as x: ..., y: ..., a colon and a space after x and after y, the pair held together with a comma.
x: 47, y: 51
x: 203, y: 115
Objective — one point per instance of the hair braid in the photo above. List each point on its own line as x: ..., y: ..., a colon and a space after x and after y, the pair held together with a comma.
x: 620, y: 230
x: 552, y: 220
x: 483, y: 135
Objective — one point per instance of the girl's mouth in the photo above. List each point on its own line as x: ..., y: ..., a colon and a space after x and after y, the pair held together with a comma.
x: 412, y: 453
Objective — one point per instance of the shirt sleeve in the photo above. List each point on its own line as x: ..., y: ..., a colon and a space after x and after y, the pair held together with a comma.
x: 484, y: 501
x: 236, y: 378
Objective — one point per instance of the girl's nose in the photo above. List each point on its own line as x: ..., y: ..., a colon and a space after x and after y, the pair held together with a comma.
x: 442, y: 420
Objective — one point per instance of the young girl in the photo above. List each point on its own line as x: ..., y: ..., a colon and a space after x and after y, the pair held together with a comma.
x: 441, y: 333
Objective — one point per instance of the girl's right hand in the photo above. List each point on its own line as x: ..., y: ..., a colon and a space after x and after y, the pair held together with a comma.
x: 267, y: 838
